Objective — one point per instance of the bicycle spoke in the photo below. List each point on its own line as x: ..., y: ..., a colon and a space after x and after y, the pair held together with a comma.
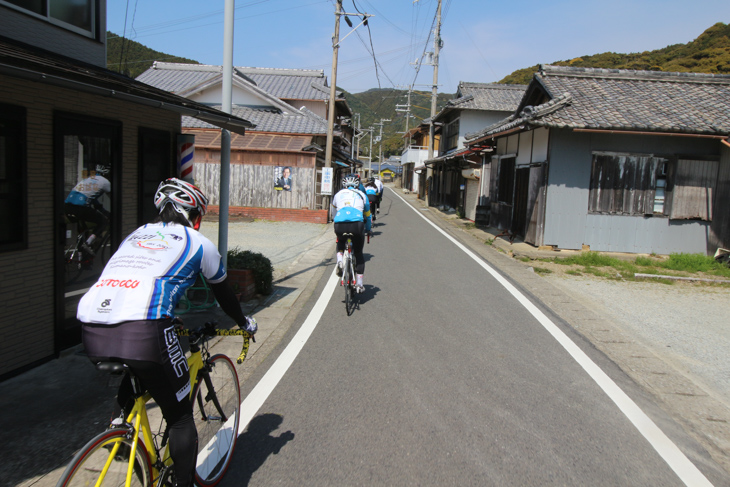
x: 217, y: 413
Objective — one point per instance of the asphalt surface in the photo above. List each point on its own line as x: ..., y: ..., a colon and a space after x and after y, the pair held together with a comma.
x: 49, y: 412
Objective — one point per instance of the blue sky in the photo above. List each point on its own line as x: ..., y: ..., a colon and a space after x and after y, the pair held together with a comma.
x: 484, y: 40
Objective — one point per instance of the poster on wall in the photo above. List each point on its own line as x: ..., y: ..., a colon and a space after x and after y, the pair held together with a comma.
x: 282, y: 178
x: 327, y: 180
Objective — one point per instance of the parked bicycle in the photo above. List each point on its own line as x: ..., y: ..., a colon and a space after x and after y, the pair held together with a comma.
x: 131, y: 454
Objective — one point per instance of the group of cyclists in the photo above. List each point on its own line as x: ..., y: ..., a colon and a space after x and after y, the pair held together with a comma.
x: 127, y: 315
x: 356, y: 207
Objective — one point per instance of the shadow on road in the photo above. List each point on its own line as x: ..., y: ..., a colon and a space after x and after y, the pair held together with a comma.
x: 255, y: 445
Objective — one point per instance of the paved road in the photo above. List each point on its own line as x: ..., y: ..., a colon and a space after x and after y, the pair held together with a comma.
x: 444, y: 377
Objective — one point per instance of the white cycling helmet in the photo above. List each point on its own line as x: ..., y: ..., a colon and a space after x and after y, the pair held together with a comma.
x: 183, y: 197
x: 351, y: 181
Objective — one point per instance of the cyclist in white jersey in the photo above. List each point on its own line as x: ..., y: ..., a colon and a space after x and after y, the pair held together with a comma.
x: 353, y: 216
x: 84, y: 203
x: 127, y: 314
x: 379, y: 184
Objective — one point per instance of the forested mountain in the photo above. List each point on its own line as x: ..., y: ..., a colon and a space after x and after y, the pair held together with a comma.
x: 709, y: 53
x: 132, y: 58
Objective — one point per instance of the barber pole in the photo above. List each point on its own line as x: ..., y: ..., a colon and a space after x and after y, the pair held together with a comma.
x: 185, y: 152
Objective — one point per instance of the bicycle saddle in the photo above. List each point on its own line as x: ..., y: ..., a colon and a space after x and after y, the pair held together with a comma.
x: 111, y: 367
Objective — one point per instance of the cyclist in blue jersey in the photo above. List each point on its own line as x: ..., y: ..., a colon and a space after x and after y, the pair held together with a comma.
x: 372, y: 191
x: 352, y: 216
x: 127, y: 315
x: 84, y: 203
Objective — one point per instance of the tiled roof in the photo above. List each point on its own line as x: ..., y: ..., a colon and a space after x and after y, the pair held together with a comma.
x: 251, y: 141
x: 270, y: 120
x: 298, y: 84
x: 488, y: 96
x: 291, y: 84
x: 612, y: 99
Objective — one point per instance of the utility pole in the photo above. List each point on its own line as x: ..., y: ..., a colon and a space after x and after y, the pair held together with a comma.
x: 225, y: 182
x: 333, y: 89
x: 434, y: 91
x: 407, y: 109
x: 380, y: 139
x: 333, y: 96
x: 355, y: 140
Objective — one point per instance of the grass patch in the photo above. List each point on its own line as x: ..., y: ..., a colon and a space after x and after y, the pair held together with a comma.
x: 542, y: 270
x: 678, y: 265
x: 489, y: 241
x: 524, y: 259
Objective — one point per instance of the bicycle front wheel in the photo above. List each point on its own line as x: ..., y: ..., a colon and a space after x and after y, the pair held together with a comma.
x: 217, y: 412
x: 98, y: 458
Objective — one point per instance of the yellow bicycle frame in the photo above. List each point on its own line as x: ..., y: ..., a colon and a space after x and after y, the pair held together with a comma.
x: 141, y: 423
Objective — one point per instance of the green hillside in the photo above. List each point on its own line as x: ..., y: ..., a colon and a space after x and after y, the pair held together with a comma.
x: 376, y: 104
x: 709, y: 53
x: 132, y: 58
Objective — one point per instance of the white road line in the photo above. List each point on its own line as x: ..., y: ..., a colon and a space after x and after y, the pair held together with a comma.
x: 677, y: 461
x: 259, y: 394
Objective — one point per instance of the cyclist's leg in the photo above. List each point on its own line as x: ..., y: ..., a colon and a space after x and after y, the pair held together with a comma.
x: 178, y: 414
x: 341, y: 242
x: 358, y: 242
x: 153, y: 352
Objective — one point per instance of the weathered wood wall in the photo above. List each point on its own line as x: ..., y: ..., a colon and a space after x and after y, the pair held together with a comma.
x: 694, y: 184
x: 720, y: 226
x: 253, y: 178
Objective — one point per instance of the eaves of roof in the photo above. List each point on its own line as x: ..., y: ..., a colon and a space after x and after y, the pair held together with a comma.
x: 27, y: 62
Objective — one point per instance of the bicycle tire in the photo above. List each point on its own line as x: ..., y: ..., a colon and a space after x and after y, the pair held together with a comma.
x: 346, y: 279
x: 87, y: 464
x: 73, y: 266
x: 217, y: 412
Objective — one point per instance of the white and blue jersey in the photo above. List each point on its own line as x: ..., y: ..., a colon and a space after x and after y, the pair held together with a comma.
x: 88, y: 191
x: 352, y: 206
x: 149, y: 274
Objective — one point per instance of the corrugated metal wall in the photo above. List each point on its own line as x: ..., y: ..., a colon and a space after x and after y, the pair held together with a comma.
x: 567, y: 222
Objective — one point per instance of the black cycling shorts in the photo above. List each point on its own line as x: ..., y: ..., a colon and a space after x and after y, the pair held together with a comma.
x: 147, y: 341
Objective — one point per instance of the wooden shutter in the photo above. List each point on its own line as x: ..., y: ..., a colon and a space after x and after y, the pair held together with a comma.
x: 693, y: 189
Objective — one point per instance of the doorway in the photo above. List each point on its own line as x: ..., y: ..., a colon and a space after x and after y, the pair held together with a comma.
x: 87, y: 159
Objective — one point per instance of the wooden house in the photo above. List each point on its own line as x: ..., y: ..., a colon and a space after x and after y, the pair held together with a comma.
x: 62, y: 113
x: 614, y: 160
x: 289, y: 109
x: 455, y: 171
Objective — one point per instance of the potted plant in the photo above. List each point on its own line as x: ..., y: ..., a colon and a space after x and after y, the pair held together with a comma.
x: 251, y: 271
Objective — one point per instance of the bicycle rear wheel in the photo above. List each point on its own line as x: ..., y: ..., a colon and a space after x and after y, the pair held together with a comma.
x: 87, y: 465
x: 347, y: 279
x: 216, y: 409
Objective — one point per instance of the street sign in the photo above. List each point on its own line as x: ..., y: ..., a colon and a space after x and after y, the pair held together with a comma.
x: 327, y: 176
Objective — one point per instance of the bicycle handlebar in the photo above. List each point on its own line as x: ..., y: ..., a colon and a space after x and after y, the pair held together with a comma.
x: 209, y: 330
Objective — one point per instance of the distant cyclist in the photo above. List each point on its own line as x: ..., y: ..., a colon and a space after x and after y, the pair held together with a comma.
x: 371, y: 190
x: 84, y: 203
x: 127, y: 315
x: 353, y: 216
x: 379, y: 184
